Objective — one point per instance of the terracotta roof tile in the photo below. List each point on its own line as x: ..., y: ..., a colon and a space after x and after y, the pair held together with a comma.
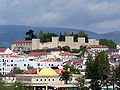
x: 10, y: 75
x: 2, y: 49
x: 59, y: 71
x: 39, y: 53
x: 31, y: 71
x: 99, y: 46
x: 24, y: 41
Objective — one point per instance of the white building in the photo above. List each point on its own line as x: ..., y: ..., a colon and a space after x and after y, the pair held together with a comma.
x: 5, y: 51
x: 97, y: 48
x: 118, y: 46
x: 23, y: 45
x: 35, y: 60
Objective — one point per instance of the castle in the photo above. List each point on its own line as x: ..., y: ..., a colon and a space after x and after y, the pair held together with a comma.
x: 25, y: 45
x: 69, y: 41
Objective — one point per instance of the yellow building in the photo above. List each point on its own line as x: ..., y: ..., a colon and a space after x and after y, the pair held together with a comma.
x: 45, y: 79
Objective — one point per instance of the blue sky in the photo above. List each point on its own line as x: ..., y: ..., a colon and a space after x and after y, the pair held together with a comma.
x: 93, y: 15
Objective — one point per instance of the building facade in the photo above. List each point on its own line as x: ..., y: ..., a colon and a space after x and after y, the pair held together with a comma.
x: 23, y: 45
x: 44, y: 79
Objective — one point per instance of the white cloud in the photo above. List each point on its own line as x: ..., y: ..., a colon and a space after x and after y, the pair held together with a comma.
x: 105, y: 26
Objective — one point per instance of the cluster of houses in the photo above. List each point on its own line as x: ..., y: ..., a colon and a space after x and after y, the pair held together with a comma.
x: 46, y: 66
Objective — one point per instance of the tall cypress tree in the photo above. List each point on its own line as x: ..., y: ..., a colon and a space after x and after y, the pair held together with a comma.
x: 89, y: 68
x: 100, y: 70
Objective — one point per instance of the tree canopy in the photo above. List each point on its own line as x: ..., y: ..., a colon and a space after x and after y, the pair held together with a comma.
x: 71, y: 69
x: 16, y: 70
x: 98, y: 70
x: 65, y: 76
x: 46, y: 37
x: 81, y: 33
x: 30, y: 34
x: 89, y: 67
x: 107, y: 42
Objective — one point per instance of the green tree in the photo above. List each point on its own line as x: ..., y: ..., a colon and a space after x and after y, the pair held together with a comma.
x: 49, y: 36
x: 80, y: 83
x: 107, y: 42
x: 83, y: 50
x: 75, y: 50
x: 101, y: 70
x: 81, y: 33
x: 66, y: 48
x: 46, y: 37
x: 61, y: 37
x: 16, y: 70
x: 71, y: 69
x: 19, y: 86
x: 41, y: 35
x: 66, y: 67
x: 30, y: 34
x: 102, y: 65
x: 65, y: 76
x: 3, y: 85
x: 89, y: 67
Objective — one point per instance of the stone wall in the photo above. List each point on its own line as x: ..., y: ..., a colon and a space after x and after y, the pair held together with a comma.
x: 69, y: 41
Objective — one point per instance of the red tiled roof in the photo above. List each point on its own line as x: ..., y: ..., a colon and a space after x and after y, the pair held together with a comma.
x: 2, y: 49
x: 50, y: 59
x: 9, y: 75
x: 46, y: 60
x: 14, y: 56
x: 118, y: 44
x: 38, y: 53
x: 24, y: 41
x: 99, y: 46
x: 66, y: 53
x: 59, y: 71
x: 31, y: 71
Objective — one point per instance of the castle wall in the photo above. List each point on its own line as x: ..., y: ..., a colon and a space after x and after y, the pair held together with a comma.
x: 93, y: 42
x: 69, y: 41
x: 81, y: 40
x: 35, y: 44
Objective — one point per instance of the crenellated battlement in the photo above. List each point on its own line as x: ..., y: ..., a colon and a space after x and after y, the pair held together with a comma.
x: 69, y: 41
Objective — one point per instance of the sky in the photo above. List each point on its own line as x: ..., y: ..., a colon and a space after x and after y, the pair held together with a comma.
x: 94, y: 15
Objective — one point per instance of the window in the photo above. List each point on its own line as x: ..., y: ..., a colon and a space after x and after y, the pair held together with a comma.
x: 53, y: 79
x: 11, y: 60
x: 48, y: 79
x: 15, y: 64
x: 40, y: 79
x: 38, y: 64
x: 24, y: 64
x: 3, y: 60
x: 28, y: 64
x: 45, y: 80
x: 51, y: 64
x: 11, y: 64
x: 36, y: 79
